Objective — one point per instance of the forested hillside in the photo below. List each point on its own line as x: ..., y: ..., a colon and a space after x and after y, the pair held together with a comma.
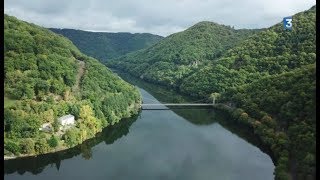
x: 269, y: 76
x: 282, y: 111
x: 104, y: 45
x: 47, y: 77
x: 175, y: 57
x: 269, y: 52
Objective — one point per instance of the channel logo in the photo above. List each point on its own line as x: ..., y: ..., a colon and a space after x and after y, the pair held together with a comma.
x: 287, y: 23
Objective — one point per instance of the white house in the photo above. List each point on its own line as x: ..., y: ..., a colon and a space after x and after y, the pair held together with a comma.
x: 46, y: 127
x: 67, y: 120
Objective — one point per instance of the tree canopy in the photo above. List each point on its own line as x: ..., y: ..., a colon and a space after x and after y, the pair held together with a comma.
x: 104, y: 45
x: 47, y: 77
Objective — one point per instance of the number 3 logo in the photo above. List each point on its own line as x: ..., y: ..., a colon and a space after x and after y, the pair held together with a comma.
x: 287, y: 23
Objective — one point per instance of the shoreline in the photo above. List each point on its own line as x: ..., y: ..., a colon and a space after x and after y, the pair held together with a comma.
x: 63, y: 148
x: 35, y: 155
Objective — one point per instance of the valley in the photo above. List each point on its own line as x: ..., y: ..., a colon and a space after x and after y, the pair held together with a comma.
x: 261, y: 126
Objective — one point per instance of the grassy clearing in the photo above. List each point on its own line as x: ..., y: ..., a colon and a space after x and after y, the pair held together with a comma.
x: 8, y: 102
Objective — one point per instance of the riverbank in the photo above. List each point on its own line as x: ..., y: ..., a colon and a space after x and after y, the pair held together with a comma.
x: 62, y: 148
x: 279, y: 157
x: 249, y: 123
x: 205, y: 140
x: 266, y: 128
x: 165, y: 94
x: 133, y: 108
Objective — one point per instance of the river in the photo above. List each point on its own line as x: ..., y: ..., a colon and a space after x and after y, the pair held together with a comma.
x: 175, y: 144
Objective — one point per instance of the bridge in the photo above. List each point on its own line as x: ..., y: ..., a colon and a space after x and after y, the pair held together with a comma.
x: 172, y: 105
x: 165, y: 106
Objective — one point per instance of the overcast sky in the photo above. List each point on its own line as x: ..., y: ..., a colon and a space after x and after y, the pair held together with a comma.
x: 162, y: 17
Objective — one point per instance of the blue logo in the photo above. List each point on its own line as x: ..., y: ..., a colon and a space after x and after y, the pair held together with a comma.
x: 287, y: 23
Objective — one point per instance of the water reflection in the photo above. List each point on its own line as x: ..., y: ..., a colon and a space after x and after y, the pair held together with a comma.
x: 161, y: 145
x: 36, y: 165
x: 197, y: 115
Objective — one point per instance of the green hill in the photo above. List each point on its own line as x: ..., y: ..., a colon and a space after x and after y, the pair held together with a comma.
x: 180, y: 54
x: 281, y: 109
x: 104, y: 46
x: 47, y: 77
x: 269, y: 52
x: 268, y: 75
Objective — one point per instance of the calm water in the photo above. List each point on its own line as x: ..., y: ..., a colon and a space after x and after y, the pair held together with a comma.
x: 172, y: 144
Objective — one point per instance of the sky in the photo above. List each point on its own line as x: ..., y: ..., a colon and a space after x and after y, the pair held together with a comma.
x: 162, y: 17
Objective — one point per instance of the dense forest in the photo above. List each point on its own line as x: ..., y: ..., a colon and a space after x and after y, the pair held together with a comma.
x: 47, y: 77
x: 268, y: 76
x: 105, y: 45
x: 282, y: 112
x: 177, y: 56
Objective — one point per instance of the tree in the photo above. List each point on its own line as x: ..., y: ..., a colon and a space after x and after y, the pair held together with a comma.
x: 48, y: 116
x: 70, y: 137
x: 32, y: 127
x: 57, y: 87
x: 85, y: 112
x: 42, y: 85
x: 56, y: 125
x: 28, y: 92
x: 309, y: 159
x: 267, y: 120
x: 12, y: 147
x: 53, y: 141
x: 41, y: 146
x: 27, y: 146
x: 74, y: 110
x: 282, y: 168
x: 244, y: 118
x: 214, y: 96
x: 8, y: 118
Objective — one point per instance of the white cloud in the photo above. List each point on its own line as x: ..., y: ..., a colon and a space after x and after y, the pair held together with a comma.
x: 159, y: 17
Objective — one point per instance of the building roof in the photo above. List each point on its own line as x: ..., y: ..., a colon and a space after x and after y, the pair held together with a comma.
x: 65, y: 117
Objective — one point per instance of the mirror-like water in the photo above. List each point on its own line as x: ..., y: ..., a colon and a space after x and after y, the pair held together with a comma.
x: 172, y: 144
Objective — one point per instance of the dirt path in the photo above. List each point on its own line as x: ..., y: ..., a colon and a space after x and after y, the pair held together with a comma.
x: 81, y: 69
